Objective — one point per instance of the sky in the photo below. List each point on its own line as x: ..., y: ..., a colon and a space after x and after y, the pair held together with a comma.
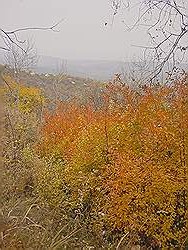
x: 82, y: 34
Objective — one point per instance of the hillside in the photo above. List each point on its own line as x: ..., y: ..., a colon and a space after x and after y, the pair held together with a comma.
x: 61, y: 86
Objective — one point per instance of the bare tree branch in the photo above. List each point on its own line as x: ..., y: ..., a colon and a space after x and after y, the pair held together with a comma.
x: 167, y: 22
x: 12, y: 36
x: 18, y: 59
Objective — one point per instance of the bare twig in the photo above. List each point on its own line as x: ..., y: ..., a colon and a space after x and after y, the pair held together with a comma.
x: 12, y: 36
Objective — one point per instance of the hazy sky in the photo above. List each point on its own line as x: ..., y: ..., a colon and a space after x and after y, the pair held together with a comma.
x: 82, y: 35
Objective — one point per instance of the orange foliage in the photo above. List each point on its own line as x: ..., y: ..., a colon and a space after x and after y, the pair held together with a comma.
x: 129, y: 156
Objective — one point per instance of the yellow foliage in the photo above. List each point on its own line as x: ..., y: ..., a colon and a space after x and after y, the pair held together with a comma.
x: 25, y: 98
x: 127, y: 161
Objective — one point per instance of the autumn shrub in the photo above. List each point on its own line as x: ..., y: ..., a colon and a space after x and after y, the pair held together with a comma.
x: 121, y: 167
x: 22, y: 117
x: 147, y: 183
x: 101, y: 176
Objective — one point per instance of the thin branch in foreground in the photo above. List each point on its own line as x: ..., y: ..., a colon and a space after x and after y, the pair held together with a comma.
x: 11, y: 36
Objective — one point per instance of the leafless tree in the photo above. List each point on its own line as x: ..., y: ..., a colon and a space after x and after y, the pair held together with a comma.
x: 61, y: 72
x: 21, y: 59
x: 166, y: 22
x: 22, y: 53
x: 134, y: 73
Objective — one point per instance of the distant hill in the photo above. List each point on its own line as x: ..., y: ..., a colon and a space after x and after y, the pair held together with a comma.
x: 94, y: 69
x: 99, y: 70
x: 102, y: 70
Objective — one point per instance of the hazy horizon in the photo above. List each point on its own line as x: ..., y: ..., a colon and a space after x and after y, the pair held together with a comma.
x: 83, y: 34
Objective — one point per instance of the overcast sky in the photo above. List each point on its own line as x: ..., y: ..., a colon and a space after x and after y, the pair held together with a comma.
x: 82, y: 35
